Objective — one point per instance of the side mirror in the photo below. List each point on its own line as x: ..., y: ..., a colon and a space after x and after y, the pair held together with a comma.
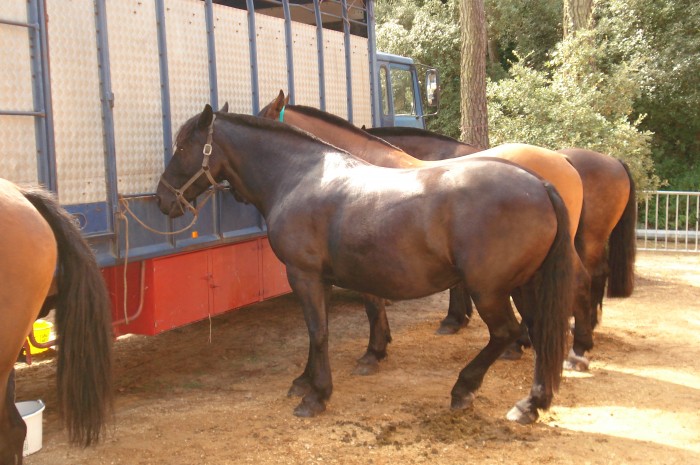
x: 432, y: 87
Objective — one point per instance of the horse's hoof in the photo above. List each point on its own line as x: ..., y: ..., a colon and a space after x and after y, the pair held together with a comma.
x: 366, y: 369
x: 309, y: 409
x: 447, y: 329
x: 298, y: 390
x: 462, y: 402
x: 512, y: 354
x: 524, y: 418
x: 576, y: 362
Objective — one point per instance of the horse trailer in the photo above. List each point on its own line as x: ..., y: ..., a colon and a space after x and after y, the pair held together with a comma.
x: 92, y: 92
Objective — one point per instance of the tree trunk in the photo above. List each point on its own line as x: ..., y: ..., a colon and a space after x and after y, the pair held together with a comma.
x: 474, y: 121
x: 577, y: 15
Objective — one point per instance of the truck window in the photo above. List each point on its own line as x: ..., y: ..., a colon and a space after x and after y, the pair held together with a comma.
x: 402, y: 87
x: 384, y: 90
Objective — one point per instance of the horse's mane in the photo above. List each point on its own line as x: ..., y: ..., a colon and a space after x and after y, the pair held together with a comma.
x: 410, y: 131
x: 338, y: 121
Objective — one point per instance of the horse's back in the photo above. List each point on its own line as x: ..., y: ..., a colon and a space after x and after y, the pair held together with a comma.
x: 27, y: 262
x: 457, y: 219
x: 551, y: 166
x: 606, y: 189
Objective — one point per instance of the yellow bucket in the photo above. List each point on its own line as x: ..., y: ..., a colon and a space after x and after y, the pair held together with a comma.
x: 42, y: 334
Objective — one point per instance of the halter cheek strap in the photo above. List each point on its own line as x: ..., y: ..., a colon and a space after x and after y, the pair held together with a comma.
x: 206, y: 151
x: 282, y: 114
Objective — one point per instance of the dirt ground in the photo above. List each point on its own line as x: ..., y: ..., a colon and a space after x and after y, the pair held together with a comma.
x: 215, y: 392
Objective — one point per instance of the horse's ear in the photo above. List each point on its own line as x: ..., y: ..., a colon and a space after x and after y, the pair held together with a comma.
x: 286, y: 100
x: 280, y: 101
x: 364, y: 128
x: 206, y: 117
x: 224, y: 109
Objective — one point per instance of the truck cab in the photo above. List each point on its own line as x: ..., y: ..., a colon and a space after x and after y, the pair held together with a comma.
x: 403, y: 101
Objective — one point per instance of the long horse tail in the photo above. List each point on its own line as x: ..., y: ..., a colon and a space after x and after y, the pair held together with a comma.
x: 554, y: 285
x: 622, y: 246
x: 83, y: 326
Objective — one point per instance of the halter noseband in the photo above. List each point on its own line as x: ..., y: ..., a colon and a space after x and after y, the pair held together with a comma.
x: 180, y: 193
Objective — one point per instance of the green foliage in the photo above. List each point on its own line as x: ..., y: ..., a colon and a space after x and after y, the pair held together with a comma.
x: 662, y: 36
x: 573, y: 104
x: 428, y: 32
x: 524, y: 28
x: 631, y: 88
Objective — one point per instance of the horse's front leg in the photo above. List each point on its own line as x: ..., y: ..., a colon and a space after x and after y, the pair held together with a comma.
x: 459, y: 312
x: 379, y: 335
x: 315, y: 383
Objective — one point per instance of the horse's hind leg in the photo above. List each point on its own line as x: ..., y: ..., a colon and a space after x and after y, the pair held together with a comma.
x: 459, y: 312
x: 12, y: 428
x: 379, y: 335
x: 497, y: 313
x: 583, y: 327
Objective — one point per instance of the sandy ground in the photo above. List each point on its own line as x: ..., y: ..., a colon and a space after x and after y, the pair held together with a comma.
x: 215, y: 392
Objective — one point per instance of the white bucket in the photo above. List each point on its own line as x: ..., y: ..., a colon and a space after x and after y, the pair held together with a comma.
x: 32, y: 414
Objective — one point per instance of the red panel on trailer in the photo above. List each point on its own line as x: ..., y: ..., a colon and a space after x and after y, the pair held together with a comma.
x: 188, y: 287
x: 180, y: 290
x: 235, y: 274
x: 275, y: 280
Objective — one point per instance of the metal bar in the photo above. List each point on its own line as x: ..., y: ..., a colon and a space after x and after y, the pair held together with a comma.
x: 164, y: 81
x: 10, y: 22
x: 39, y: 114
x: 107, y: 101
x: 165, y: 94
x: 290, y: 50
x: 47, y: 143
x: 373, y: 71
x: 319, y: 48
x: 348, y: 58
x: 211, y: 48
x: 213, y: 98
x: 255, y: 85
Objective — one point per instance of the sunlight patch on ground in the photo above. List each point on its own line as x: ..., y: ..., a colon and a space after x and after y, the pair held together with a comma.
x: 667, y: 375
x: 674, y: 429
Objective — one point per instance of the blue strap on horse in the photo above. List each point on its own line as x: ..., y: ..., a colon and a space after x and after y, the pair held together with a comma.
x: 282, y: 114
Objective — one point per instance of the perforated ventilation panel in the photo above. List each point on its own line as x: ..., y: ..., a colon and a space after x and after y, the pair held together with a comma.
x: 272, y: 57
x: 233, y: 70
x: 18, y: 151
x: 135, y: 73
x: 305, y: 65
x: 188, y: 59
x: 361, y: 97
x: 334, y: 67
x: 76, y: 102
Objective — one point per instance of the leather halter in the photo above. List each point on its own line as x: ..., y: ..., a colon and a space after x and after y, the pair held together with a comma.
x: 180, y: 193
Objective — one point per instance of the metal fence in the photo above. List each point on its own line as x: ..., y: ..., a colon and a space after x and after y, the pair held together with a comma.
x: 668, y: 221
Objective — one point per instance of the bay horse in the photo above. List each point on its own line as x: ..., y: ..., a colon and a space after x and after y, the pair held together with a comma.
x: 334, y: 219
x: 40, y: 240
x: 550, y: 165
x: 606, y: 237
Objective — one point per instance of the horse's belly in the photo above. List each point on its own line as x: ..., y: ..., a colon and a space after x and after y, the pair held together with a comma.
x: 397, y: 279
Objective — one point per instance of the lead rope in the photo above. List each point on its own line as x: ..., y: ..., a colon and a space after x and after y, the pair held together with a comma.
x: 179, y: 194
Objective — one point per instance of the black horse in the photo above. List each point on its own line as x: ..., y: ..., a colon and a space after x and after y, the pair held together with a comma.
x: 334, y: 219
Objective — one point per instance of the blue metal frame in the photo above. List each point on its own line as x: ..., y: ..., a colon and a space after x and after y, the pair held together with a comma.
x: 211, y: 48
x: 289, y: 49
x: 319, y: 47
x: 255, y: 87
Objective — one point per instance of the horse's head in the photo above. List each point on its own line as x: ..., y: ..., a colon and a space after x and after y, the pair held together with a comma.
x: 195, y: 166
x: 275, y: 108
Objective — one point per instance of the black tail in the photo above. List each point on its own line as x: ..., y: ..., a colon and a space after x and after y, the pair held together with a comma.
x: 622, y: 247
x: 554, y: 294
x: 83, y: 325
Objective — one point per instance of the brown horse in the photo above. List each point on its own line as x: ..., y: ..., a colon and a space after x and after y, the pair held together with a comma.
x: 550, y: 165
x: 37, y: 234
x: 334, y: 219
x: 605, y: 240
